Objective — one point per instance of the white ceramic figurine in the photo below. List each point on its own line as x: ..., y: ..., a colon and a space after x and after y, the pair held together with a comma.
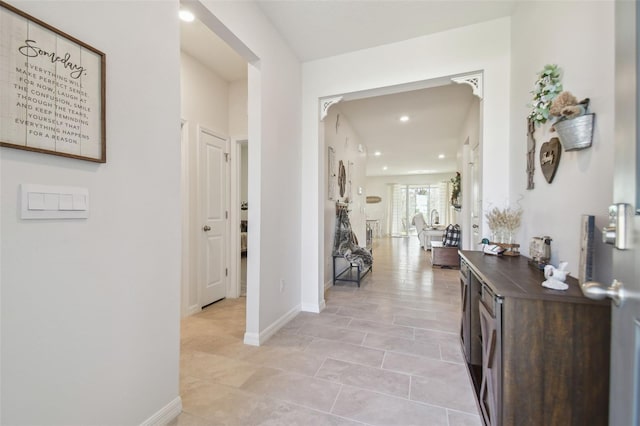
x: 555, y: 277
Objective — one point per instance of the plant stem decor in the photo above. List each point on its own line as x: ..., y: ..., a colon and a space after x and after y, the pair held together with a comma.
x: 547, y: 87
x: 455, y: 190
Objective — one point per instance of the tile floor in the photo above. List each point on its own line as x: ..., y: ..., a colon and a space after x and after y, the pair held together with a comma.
x: 386, y: 353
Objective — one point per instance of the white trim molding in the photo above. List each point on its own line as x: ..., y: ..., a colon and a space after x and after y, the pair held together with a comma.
x: 316, y: 309
x: 256, y: 339
x: 166, y: 414
x: 327, y: 103
x: 474, y: 80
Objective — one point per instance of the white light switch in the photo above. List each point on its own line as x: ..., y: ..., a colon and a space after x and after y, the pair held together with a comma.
x: 36, y: 201
x: 54, y: 202
x: 51, y: 202
x: 66, y: 202
x: 79, y: 202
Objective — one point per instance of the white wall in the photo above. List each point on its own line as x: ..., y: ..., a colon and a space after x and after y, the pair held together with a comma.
x: 345, y: 142
x: 484, y: 46
x: 90, y: 308
x: 274, y: 132
x: 381, y: 186
x: 583, y: 182
x: 238, y: 120
x: 469, y: 137
x: 204, y: 104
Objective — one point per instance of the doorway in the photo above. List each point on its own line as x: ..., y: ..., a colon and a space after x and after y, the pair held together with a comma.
x: 214, y: 85
x: 412, y: 139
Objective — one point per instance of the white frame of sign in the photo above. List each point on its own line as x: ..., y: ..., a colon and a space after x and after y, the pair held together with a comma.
x: 53, y: 90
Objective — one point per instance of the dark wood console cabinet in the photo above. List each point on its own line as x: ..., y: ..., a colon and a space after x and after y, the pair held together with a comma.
x: 535, y: 356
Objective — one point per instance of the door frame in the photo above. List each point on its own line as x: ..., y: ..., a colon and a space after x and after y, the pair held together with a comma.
x: 234, y: 284
x: 185, y: 173
x: 200, y: 207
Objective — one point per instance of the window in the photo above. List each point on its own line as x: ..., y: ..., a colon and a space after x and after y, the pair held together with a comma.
x: 407, y: 200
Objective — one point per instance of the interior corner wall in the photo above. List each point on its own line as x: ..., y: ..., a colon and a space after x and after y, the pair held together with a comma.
x: 274, y: 88
x: 583, y: 183
x: 345, y: 142
x: 204, y: 104
x: 468, y: 139
x: 238, y: 112
x: 481, y: 47
x: 90, y: 308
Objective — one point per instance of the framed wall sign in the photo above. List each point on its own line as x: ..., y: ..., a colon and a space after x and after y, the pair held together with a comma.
x: 53, y: 89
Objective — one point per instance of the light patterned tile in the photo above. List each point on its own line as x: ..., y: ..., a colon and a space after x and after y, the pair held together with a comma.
x: 398, y: 344
x: 296, y: 388
x: 300, y: 362
x: 381, y: 328
x: 450, y: 326
x: 346, y: 352
x: 332, y: 333
x: 365, y: 377
x: 457, y: 418
x: 215, y: 368
x: 446, y: 385
x: 374, y: 408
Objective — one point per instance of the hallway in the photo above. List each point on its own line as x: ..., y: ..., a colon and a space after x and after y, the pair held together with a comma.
x: 387, y: 353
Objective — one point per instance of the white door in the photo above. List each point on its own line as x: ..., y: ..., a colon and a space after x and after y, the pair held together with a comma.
x: 625, y: 319
x: 214, y: 177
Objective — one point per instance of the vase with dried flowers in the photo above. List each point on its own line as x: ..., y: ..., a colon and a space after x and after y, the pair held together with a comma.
x: 503, y: 223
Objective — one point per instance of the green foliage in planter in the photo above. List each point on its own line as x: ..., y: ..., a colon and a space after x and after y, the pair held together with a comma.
x: 547, y: 87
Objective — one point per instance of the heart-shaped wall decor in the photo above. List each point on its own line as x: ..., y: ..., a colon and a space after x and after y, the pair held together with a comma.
x: 550, y: 158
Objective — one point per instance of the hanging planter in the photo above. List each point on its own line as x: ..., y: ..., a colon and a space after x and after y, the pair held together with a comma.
x: 576, y: 133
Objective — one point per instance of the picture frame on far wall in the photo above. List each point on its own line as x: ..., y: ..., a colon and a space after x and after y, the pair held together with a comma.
x: 53, y: 90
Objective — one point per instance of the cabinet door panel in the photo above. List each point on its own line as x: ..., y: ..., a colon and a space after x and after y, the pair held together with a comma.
x: 465, y: 331
x: 491, y: 352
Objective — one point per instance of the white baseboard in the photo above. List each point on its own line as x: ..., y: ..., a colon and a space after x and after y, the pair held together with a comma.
x: 256, y: 339
x: 312, y: 307
x: 166, y: 414
x: 252, y: 339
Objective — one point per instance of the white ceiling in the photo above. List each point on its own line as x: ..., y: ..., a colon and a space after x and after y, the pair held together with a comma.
x: 412, y: 147
x: 320, y: 28
x: 204, y: 45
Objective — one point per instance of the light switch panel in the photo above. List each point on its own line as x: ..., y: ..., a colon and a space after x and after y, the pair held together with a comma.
x: 54, y: 202
x: 79, y: 202
x: 51, y: 202
x: 66, y: 202
x: 35, y: 201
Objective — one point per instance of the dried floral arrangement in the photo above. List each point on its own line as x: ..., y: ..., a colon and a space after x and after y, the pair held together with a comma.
x: 505, y: 220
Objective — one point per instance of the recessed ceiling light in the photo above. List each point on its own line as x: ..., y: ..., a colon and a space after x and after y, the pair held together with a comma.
x: 384, y: 167
x: 377, y: 153
x: 186, y: 15
x: 441, y: 156
x: 404, y: 118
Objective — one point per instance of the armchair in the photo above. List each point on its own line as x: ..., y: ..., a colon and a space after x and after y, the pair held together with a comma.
x: 421, y: 228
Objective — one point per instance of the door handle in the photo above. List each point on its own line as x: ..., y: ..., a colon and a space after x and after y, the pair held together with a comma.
x: 595, y: 290
x: 206, y: 228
